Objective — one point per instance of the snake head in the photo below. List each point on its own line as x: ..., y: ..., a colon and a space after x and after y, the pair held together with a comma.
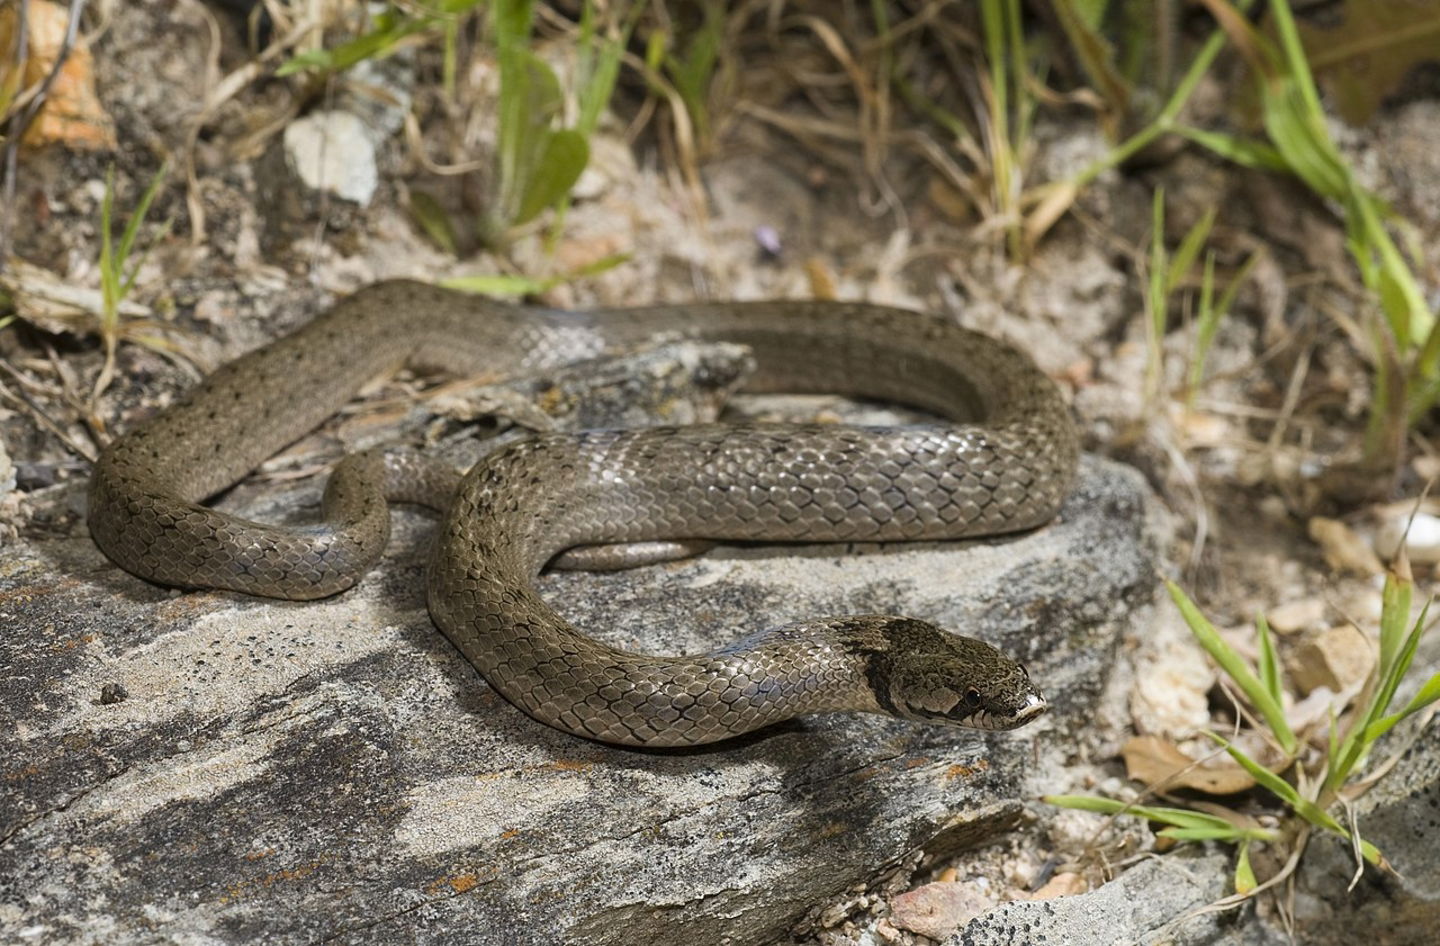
x: 930, y: 675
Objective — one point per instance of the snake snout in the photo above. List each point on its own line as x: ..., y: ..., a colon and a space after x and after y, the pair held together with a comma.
x: 1030, y: 707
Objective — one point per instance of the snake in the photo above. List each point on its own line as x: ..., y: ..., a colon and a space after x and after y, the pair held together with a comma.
x: 998, y: 458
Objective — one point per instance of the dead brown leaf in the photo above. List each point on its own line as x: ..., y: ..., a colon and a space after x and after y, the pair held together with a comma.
x: 1153, y: 760
x: 1367, y: 56
x: 72, y: 115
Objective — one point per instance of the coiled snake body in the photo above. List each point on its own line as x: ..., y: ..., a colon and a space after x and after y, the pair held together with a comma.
x: 1003, y: 464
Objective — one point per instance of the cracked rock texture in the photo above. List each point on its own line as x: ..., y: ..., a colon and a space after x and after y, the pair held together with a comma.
x: 206, y: 767
x: 1149, y: 904
x: 1400, y: 816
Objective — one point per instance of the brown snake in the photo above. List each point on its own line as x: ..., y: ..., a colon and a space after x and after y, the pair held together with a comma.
x: 1003, y: 463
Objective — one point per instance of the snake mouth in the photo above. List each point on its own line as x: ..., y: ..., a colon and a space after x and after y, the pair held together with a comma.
x: 1033, y: 707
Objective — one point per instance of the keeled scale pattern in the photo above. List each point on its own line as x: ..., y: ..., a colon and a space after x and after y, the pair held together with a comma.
x: 1005, y: 468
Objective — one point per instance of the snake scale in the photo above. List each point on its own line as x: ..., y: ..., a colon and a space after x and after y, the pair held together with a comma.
x: 1002, y: 462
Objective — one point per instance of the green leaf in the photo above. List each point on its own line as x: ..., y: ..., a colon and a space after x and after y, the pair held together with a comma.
x: 596, y: 73
x: 511, y: 20
x: 558, y: 167
x: 1365, y: 57
x: 434, y: 221
x: 1234, y: 665
x: 530, y: 99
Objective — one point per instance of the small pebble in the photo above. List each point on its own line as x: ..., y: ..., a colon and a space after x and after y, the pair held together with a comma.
x: 1337, y: 659
x: 1296, y: 615
x: 32, y: 476
x: 1420, y: 534
x: 1343, y: 548
x: 937, y: 910
x: 1065, y: 884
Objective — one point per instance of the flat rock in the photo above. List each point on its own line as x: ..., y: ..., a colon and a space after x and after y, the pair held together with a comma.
x: 1156, y: 902
x: 209, y: 767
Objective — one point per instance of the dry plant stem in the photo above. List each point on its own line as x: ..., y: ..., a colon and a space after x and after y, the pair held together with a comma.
x: 217, y: 93
x: 22, y: 399
x: 684, y: 134
x: 1291, y: 401
x: 1044, y: 216
x: 1197, y: 496
x: 415, y: 139
x: 1302, y: 838
x: 93, y: 420
x: 19, y: 126
x: 873, y: 120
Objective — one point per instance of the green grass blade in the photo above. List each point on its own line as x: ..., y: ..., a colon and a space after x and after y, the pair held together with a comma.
x: 1189, y: 249
x: 511, y: 20
x: 601, y: 265
x: 134, y: 272
x: 1207, y: 322
x: 1269, y: 663
x: 390, y: 28
x: 1234, y: 665
x: 1429, y: 693
x: 1227, y: 833
x: 1401, y: 296
x: 1178, y: 817
x: 137, y: 217
x: 1283, y: 790
x: 1242, y: 151
x: 1332, y: 757
x: 1227, y: 298
x: 1395, y: 601
x: 1295, y: 61
x: 1244, y: 874
x: 1397, y: 649
x: 1305, y: 149
x: 1159, y: 264
x: 499, y: 285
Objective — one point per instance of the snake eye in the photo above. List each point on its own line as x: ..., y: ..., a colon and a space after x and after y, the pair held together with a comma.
x: 972, y: 697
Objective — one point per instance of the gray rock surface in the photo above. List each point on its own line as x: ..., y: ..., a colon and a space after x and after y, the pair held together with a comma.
x: 1400, y: 816
x: 208, y: 767
x: 1151, y: 903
